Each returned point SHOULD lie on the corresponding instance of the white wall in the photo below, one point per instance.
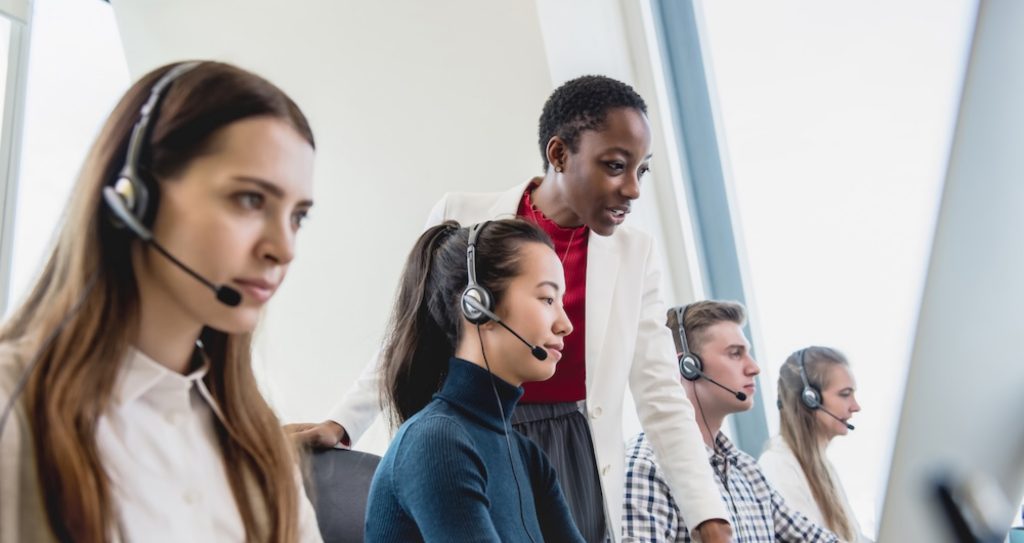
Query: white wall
(407, 102)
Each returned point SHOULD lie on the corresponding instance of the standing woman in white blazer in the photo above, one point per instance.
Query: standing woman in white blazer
(128, 406)
(816, 401)
(595, 143)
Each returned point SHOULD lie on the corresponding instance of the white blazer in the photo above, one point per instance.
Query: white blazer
(626, 342)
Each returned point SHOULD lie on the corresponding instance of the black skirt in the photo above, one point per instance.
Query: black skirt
(561, 430)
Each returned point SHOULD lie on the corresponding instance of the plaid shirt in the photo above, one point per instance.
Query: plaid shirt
(758, 514)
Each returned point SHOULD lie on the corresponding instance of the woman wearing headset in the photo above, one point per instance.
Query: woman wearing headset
(130, 410)
(455, 358)
(816, 401)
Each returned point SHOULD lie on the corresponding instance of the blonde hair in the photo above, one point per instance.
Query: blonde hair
(70, 385)
(800, 430)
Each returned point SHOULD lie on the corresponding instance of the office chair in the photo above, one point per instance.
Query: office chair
(340, 485)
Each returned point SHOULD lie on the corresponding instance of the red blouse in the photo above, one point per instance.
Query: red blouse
(569, 384)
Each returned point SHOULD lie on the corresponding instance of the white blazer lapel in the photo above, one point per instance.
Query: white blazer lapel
(507, 204)
(602, 273)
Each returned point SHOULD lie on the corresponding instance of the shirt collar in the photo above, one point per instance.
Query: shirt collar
(468, 387)
(140, 375)
(725, 447)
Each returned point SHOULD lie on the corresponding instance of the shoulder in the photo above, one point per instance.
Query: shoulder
(432, 428)
(634, 241)
(640, 454)
(12, 364)
(778, 460)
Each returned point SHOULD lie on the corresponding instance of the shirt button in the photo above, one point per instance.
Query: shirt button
(596, 412)
(192, 497)
(604, 470)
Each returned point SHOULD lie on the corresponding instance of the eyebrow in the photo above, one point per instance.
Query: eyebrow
(273, 189)
(628, 153)
(551, 284)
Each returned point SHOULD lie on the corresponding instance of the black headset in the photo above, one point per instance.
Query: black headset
(477, 302)
(810, 396)
(690, 365)
(478, 308)
(128, 195)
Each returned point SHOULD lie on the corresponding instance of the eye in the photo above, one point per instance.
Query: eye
(549, 301)
(250, 200)
(299, 217)
(644, 170)
(615, 166)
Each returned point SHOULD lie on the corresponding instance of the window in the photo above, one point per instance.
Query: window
(76, 72)
(836, 120)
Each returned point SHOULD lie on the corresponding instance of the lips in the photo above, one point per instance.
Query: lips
(555, 349)
(258, 289)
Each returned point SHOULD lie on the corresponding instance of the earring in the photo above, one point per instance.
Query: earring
(558, 169)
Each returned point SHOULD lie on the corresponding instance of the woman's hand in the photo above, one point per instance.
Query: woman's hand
(322, 435)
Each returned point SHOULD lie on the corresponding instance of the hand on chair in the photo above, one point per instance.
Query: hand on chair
(322, 435)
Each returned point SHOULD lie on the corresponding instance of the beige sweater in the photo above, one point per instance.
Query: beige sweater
(22, 510)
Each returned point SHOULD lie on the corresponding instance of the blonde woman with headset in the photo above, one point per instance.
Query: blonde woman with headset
(817, 398)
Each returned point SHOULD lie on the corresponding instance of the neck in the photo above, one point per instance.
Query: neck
(823, 442)
(550, 199)
(714, 419)
(469, 349)
(165, 334)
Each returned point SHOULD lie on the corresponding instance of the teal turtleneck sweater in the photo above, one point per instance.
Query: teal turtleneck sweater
(447, 476)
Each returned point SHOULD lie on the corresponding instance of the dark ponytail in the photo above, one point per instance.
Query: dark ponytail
(426, 322)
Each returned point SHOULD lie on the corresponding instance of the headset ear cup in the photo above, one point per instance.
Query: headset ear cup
(481, 296)
(690, 366)
(811, 398)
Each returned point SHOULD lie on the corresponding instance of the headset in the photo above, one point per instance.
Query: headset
(478, 302)
(690, 364)
(478, 308)
(128, 197)
(810, 396)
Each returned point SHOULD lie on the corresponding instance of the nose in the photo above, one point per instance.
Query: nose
(630, 188)
(562, 326)
(278, 242)
(752, 367)
(855, 407)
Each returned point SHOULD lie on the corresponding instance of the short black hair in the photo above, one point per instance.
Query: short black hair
(583, 104)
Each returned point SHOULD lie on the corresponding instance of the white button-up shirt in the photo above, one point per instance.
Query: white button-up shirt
(158, 445)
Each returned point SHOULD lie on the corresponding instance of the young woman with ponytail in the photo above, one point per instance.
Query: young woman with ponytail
(455, 471)
(129, 407)
(795, 462)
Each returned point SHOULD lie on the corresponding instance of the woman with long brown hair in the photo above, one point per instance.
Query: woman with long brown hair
(479, 312)
(816, 401)
(130, 409)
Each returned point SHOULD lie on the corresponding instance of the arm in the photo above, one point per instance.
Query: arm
(650, 515)
(556, 522)
(666, 415)
(443, 483)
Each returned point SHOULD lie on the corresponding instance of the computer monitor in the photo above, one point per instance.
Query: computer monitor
(963, 413)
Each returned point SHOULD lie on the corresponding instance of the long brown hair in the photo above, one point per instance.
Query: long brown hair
(800, 430)
(426, 322)
(71, 384)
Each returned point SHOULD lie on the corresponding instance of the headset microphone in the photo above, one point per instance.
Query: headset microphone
(847, 424)
(116, 204)
(741, 396)
(538, 352)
